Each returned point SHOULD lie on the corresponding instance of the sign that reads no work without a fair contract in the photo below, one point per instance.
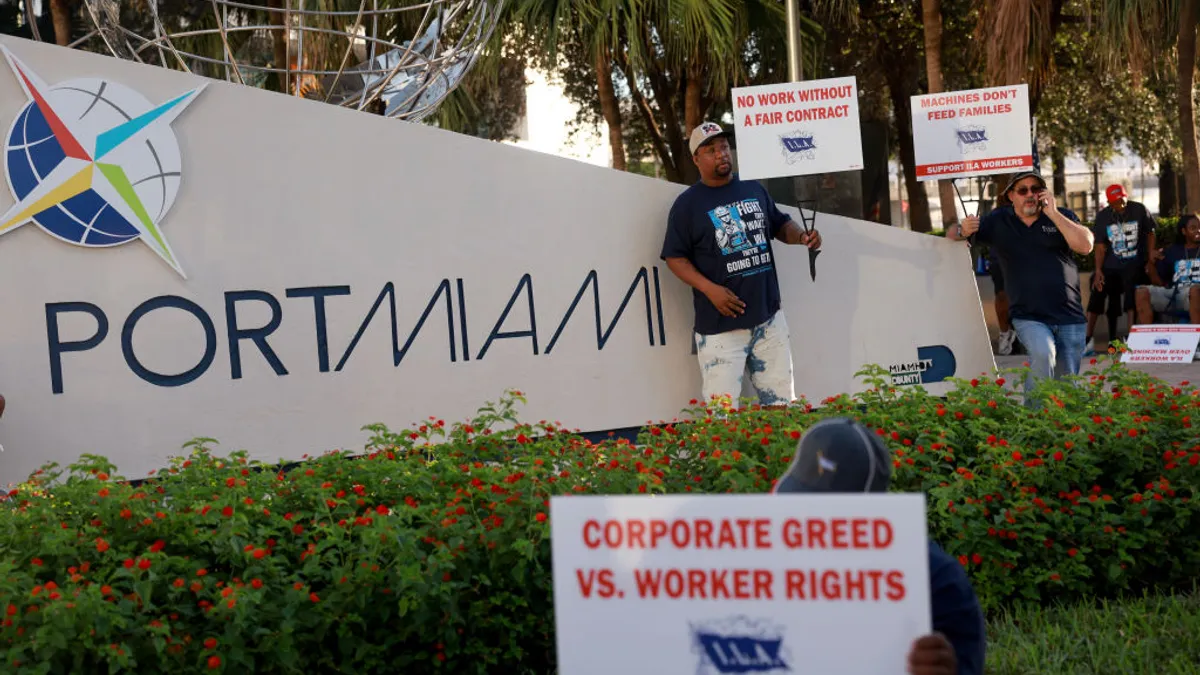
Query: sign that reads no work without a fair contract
(797, 128)
(972, 133)
(739, 583)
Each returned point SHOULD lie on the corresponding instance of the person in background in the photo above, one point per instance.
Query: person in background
(839, 455)
(718, 241)
(1008, 336)
(1124, 233)
(1035, 241)
(1175, 279)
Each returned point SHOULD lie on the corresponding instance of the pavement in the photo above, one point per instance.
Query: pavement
(1172, 373)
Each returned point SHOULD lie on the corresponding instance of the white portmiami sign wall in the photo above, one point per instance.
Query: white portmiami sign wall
(280, 282)
(975, 132)
(715, 584)
(797, 128)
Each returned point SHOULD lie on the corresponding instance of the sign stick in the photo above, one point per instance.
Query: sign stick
(810, 224)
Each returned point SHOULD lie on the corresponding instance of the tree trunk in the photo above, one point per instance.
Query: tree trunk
(608, 106)
(918, 202)
(1168, 191)
(931, 16)
(1059, 160)
(60, 14)
(279, 44)
(1187, 114)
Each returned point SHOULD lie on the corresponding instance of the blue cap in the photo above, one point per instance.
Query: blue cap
(838, 455)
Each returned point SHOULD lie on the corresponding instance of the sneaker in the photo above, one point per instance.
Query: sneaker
(1090, 348)
(1007, 338)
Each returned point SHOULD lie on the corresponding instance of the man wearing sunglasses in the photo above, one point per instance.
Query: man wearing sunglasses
(1034, 240)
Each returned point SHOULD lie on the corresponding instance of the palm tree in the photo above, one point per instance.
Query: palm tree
(931, 21)
(674, 60)
(1139, 29)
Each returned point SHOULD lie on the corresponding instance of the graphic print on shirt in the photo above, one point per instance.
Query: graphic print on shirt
(741, 230)
(1124, 239)
(1187, 272)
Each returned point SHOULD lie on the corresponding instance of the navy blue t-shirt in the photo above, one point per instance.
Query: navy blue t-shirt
(1180, 266)
(956, 611)
(1041, 277)
(1127, 236)
(726, 233)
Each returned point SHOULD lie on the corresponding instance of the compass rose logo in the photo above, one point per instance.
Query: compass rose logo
(92, 162)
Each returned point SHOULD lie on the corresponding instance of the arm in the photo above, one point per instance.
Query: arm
(1079, 238)
(1101, 252)
(792, 233)
(688, 274)
(726, 301)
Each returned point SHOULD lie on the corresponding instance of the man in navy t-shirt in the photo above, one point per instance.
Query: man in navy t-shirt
(1124, 234)
(1035, 240)
(718, 241)
(1176, 277)
(838, 455)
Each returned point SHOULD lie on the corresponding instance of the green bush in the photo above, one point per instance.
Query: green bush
(430, 552)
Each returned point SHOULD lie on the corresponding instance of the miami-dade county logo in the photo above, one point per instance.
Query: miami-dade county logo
(739, 645)
(934, 363)
(972, 139)
(798, 145)
(92, 162)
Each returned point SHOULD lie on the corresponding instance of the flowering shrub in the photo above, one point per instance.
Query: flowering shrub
(430, 552)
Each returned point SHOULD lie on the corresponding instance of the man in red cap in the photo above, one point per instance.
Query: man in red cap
(1124, 234)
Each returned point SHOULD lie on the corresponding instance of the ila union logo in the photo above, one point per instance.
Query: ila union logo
(92, 162)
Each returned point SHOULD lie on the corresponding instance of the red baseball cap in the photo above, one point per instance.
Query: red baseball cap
(1114, 192)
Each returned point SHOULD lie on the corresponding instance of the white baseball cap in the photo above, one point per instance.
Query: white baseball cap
(704, 132)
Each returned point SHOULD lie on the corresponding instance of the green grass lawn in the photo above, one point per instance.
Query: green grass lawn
(1156, 634)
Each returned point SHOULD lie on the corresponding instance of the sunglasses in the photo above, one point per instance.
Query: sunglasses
(1025, 189)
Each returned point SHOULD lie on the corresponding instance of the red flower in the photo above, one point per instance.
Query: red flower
(259, 553)
(314, 597)
(1058, 456)
(37, 562)
(214, 662)
(129, 563)
(230, 482)
(210, 643)
(157, 546)
(179, 583)
(976, 558)
(1072, 552)
(540, 517)
(227, 511)
(256, 584)
(143, 564)
(1016, 456)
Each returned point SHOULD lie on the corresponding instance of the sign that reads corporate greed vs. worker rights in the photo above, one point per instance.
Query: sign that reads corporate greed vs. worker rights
(797, 128)
(972, 133)
(739, 583)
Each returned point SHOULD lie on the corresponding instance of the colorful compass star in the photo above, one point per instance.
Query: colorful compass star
(82, 170)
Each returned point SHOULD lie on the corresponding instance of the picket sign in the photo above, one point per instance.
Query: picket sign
(687, 584)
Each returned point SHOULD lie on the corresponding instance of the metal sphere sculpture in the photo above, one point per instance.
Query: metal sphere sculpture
(398, 58)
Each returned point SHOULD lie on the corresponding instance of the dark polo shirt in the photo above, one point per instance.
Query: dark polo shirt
(1040, 274)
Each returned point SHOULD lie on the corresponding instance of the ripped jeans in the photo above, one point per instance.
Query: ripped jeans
(764, 350)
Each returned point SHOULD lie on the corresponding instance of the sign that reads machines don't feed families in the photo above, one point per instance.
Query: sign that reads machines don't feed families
(977, 132)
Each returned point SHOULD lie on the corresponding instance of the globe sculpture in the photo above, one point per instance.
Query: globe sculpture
(398, 58)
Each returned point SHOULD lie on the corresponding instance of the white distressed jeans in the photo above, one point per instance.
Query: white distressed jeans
(765, 350)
